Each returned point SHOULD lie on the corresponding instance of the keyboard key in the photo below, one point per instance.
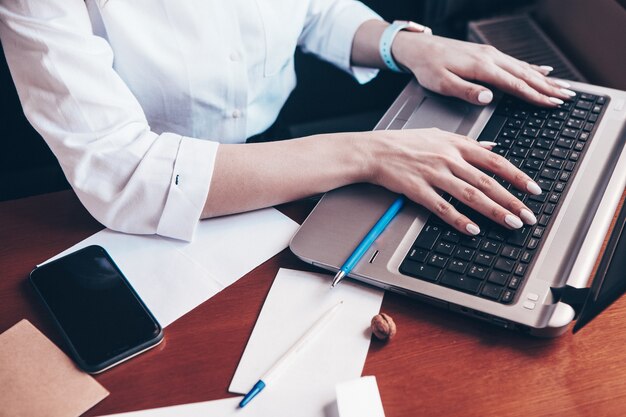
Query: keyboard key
(538, 232)
(569, 166)
(574, 156)
(549, 133)
(458, 266)
(530, 132)
(427, 237)
(570, 133)
(580, 114)
(498, 277)
(451, 236)
(587, 97)
(470, 241)
(565, 143)
(445, 248)
(560, 153)
(560, 115)
(510, 252)
(507, 296)
(550, 208)
(555, 163)
(564, 176)
(544, 144)
(575, 123)
(418, 270)
(535, 122)
(584, 105)
(460, 282)
(518, 237)
(584, 136)
(527, 257)
(478, 271)
(418, 255)
(579, 146)
(489, 246)
(519, 151)
(588, 127)
(596, 109)
(543, 220)
(534, 206)
(549, 173)
(554, 198)
(520, 269)
(533, 163)
(437, 261)
(492, 291)
(555, 124)
(485, 259)
(546, 185)
(533, 243)
(539, 153)
(497, 233)
(526, 142)
(515, 282)
(540, 198)
(503, 264)
(464, 253)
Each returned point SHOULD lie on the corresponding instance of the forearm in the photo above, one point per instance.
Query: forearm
(365, 52)
(252, 176)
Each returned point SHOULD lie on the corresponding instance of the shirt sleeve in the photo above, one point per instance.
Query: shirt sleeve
(129, 178)
(329, 31)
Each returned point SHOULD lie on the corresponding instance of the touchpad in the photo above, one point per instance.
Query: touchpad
(443, 113)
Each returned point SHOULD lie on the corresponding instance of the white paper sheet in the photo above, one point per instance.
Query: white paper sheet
(359, 398)
(217, 408)
(173, 277)
(307, 387)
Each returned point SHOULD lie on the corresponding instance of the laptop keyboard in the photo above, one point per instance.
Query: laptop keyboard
(547, 144)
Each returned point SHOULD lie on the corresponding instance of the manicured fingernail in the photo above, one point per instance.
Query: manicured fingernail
(568, 92)
(527, 216)
(486, 144)
(533, 188)
(472, 229)
(513, 221)
(555, 100)
(485, 97)
(547, 69)
(562, 83)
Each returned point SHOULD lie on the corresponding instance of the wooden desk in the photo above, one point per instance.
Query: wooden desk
(439, 364)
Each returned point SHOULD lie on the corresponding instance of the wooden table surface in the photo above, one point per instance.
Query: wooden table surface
(439, 363)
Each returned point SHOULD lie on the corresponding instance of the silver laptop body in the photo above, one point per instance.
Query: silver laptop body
(343, 216)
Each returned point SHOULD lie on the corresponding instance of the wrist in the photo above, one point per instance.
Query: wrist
(406, 48)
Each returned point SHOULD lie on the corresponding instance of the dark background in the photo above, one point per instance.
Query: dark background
(326, 99)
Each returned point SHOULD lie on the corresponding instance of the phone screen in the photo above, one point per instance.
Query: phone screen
(95, 306)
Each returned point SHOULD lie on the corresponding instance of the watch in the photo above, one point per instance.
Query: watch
(390, 34)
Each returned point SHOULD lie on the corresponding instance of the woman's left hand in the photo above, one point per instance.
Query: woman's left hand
(449, 66)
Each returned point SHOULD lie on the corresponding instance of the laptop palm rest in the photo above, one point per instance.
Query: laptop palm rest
(443, 113)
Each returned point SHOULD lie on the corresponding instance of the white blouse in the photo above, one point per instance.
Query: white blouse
(133, 96)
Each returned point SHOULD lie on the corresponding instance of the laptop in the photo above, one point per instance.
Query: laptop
(525, 279)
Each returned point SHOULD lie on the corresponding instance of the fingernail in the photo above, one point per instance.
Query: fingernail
(485, 97)
(527, 216)
(562, 83)
(555, 100)
(487, 144)
(546, 68)
(472, 229)
(533, 188)
(513, 221)
(568, 92)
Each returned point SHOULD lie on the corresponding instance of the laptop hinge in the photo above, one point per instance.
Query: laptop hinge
(572, 296)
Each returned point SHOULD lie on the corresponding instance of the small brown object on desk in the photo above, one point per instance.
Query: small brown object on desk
(383, 326)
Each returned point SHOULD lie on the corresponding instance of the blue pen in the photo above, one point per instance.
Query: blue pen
(291, 354)
(369, 238)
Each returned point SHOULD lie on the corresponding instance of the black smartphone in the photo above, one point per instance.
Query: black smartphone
(102, 319)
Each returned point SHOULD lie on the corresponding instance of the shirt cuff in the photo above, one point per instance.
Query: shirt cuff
(188, 189)
(341, 38)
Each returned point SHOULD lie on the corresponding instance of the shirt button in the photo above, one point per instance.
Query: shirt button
(236, 113)
(234, 56)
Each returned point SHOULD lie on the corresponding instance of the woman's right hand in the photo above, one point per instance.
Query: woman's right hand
(420, 163)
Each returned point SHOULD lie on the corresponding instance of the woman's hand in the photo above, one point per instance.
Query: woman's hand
(445, 66)
(421, 163)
